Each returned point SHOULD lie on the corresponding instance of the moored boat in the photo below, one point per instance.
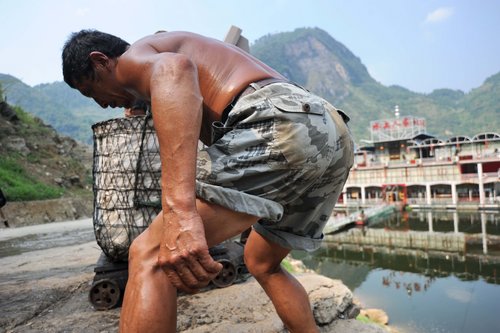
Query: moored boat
(403, 164)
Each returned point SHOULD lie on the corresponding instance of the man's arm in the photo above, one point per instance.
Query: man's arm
(177, 111)
(176, 103)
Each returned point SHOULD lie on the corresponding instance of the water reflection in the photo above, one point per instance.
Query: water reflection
(412, 259)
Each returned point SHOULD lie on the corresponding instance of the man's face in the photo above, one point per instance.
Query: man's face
(105, 91)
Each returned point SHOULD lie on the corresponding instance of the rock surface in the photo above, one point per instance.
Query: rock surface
(246, 308)
(376, 315)
(47, 291)
(25, 213)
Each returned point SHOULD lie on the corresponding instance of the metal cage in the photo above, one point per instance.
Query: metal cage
(126, 182)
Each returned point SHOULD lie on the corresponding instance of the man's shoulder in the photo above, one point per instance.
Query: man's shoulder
(171, 40)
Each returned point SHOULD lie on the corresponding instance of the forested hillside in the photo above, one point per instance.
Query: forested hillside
(38, 163)
(311, 57)
(58, 105)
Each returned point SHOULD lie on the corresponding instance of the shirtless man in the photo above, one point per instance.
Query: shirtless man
(277, 159)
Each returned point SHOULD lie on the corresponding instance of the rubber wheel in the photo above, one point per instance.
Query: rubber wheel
(227, 275)
(104, 294)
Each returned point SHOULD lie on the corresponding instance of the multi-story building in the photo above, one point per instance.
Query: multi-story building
(402, 163)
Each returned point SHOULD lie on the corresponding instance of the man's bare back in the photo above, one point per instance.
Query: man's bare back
(223, 69)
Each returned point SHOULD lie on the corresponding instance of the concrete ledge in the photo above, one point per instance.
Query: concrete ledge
(25, 213)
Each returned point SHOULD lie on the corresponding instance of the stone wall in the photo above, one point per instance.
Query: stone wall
(26, 213)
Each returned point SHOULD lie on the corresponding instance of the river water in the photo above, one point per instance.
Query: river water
(430, 271)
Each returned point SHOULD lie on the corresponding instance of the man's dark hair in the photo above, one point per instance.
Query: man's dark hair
(75, 56)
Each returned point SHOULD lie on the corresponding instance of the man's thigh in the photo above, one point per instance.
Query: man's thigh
(220, 224)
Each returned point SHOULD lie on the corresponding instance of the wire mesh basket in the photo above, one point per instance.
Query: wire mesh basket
(126, 182)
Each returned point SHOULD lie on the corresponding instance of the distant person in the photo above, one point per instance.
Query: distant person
(361, 218)
(3, 201)
(277, 160)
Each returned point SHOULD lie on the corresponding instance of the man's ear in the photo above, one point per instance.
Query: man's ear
(99, 59)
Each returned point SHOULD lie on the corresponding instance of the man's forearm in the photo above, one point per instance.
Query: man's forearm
(177, 118)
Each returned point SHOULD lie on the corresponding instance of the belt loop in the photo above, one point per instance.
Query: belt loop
(255, 85)
(218, 131)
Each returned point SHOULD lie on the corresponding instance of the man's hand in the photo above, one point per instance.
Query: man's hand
(184, 255)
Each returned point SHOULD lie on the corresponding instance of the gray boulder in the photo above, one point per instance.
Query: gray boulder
(245, 308)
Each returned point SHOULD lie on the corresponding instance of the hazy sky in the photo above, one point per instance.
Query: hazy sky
(419, 44)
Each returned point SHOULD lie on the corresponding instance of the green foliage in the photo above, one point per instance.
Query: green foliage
(30, 121)
(282, 51)
(36, 163)
(18, 185)
(366, 320)
(287, 266)
(65, 109)
(447, 97)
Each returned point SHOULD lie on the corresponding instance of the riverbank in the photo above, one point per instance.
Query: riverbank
(47, 291)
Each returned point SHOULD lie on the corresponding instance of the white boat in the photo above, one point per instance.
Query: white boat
(365, 216)
(402, 163)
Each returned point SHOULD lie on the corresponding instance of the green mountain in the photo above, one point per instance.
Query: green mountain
(38, 163)
(314, 59)
(311, 57)
(58, 105)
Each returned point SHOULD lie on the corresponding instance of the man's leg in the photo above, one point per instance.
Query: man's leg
(150, 302)
(263, 258)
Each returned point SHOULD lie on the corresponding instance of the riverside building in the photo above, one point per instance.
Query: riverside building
(405, 165)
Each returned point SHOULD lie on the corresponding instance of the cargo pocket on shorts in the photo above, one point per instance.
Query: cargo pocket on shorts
(301, 129)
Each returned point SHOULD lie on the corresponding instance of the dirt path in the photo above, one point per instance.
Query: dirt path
(46, 290)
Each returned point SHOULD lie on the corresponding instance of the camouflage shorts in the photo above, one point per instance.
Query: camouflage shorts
(283, 155)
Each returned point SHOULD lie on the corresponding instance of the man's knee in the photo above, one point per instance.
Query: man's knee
(261, 266)
(138, 250)
(263, 257)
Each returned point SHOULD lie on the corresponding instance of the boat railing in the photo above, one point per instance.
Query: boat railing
(429, 160)
(402, 163)
(470, 176)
